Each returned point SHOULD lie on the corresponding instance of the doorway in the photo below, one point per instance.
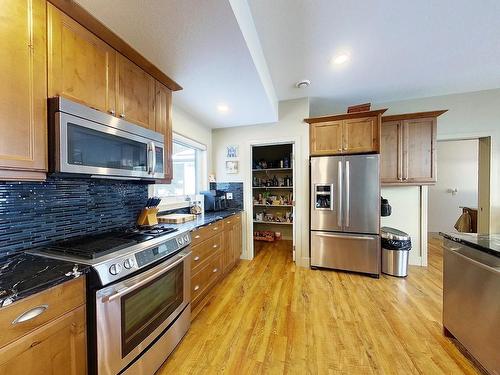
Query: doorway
(460, 200)
(273, 194)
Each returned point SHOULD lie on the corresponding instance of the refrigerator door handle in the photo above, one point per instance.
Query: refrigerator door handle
(347, 193)
(339, 194)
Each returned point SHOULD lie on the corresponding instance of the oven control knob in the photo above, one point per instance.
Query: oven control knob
(115, 269)
(180, 241)
(186, 238)
(129, 263)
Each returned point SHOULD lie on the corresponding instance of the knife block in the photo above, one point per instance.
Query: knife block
(148, 217)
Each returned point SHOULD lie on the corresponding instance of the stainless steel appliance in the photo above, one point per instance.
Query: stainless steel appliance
(471, 301)
(215, 200)
(85, 141)
(138, 295)
(345, 213)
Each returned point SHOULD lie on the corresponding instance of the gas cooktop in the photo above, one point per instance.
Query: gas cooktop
(97, 245)
(119, 253)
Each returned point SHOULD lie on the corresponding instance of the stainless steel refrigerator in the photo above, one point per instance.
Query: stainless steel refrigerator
(345, 213)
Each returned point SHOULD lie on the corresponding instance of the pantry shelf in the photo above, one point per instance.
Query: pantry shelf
(272, 222)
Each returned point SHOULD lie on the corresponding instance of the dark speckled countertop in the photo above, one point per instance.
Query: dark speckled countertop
(22, 275)
(488, 243)
(205, 219)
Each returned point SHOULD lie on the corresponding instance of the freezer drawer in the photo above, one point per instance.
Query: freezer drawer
(348, 252)
(471, 301)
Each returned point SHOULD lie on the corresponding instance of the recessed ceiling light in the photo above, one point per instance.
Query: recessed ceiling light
(303, 84)
(223, 108)
(341, 58)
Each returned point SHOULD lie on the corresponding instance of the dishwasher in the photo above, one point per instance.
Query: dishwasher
(471, 301)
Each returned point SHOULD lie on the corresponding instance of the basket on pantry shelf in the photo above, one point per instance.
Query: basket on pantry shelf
(264, 235)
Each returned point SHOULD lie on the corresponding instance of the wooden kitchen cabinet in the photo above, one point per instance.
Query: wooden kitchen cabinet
(23, 102)
(353, 133)
(232, 242)
(326, 138)
(58, 347)
(81, 66)
(163, 124)
(136, 94)
(216, 249)
(53, 342)
(408, 149)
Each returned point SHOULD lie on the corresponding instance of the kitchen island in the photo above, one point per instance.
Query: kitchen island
(471, 294)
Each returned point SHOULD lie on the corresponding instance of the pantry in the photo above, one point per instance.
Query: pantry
(273, 196)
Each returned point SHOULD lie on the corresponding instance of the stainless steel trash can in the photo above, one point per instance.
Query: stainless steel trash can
(396, 246)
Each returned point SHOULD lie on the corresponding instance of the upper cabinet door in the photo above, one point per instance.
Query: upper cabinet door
(23, 98)
(361, 135)
(163, 124)
(80, 65)
(325, 138)
(391, 152)
(136, 94)
(419, 150)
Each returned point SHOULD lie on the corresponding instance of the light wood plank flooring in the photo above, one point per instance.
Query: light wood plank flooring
(270, 317)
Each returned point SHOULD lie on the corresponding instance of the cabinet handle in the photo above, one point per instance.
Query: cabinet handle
(196, 288)
(216, 228)
(215, 270)
(122, 115)
(197, 236)
(30, 314)
(228, 222)
(345, 148)
(112, 111)
(196, 258)
(215, 246)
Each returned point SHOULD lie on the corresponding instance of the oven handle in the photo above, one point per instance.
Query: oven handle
(124, 291)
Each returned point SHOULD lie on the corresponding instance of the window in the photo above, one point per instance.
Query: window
(189, 168)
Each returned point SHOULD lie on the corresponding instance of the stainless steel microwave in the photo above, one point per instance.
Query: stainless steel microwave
(85, 141)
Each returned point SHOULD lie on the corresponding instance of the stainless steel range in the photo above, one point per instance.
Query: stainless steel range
(138, 295)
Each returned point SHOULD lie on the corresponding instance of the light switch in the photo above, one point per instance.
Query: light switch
(229, 195)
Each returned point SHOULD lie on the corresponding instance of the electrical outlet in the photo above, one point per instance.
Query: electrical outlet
(229, 195)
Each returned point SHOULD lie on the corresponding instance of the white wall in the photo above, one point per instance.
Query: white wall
(457, 162)
(406, 214)
(289, 128)
(188, 126)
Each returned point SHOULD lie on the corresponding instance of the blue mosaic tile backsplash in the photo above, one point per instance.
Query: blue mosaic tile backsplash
(36, 213)
(231, 187)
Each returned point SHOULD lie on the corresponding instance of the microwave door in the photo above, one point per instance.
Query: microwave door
(326, 193)
(87, 147)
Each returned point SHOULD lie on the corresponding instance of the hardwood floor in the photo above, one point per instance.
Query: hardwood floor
(270, 317)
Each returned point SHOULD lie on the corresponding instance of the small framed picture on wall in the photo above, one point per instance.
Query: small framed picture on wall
(231, 167)
(232, 152)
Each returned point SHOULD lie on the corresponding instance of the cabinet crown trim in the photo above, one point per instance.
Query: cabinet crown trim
(410, 116)
(345, 116)
(87, 20)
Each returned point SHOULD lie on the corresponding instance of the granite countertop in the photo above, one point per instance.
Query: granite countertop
(205, 219)
(489, 243)
(22, 275)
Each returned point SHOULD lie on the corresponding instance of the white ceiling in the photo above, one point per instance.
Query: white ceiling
(399, 50)
(198, 44)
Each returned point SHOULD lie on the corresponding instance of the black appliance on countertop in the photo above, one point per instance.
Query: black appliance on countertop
(215, 200)
(128, 267)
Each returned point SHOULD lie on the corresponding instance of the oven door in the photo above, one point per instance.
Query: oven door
(87, 147)
(131, 314)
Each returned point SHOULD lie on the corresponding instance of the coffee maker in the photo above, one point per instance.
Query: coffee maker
(215, 200)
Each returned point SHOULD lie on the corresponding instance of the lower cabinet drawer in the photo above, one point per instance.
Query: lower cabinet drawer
(202, 252)
(204, 233)
(32, 312)
(203, 280)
